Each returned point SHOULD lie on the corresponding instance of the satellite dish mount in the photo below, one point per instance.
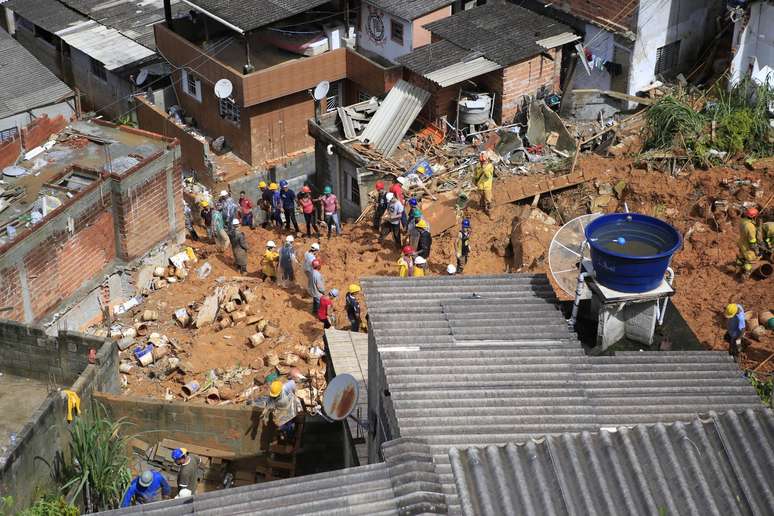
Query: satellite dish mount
(319, 94)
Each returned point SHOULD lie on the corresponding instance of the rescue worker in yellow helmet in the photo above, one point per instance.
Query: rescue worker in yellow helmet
(353, 307)
(264, 201)
(283, 407)
(735, 325)
(748, 242)
(483, 178)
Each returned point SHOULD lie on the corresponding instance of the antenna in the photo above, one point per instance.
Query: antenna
(223, 89)
(321, 90)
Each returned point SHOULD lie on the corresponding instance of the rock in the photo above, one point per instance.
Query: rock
(230, 306)
(541, 216)
(247, 295)
(160, 272)
(150, 315)
(224, 322)
(238, 315)
(271, 359)
(252, 320)
(271, 331)
(207, 312)
(262, 324)
(290, 359)
(186, 367)
(256, 339)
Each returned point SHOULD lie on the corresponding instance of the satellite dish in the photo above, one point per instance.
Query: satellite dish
(223, 89)
(341, 396)
(15, 171)
(141, 77)
(321, 90)
(564, 253)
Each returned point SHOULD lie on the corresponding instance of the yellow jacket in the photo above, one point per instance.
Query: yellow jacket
(767, 233)
(269, 262)
(403, 268)
(748, 236)
(419, 272)
(484, 175)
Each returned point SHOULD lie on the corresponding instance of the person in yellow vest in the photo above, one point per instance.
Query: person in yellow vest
(483, 177)
(767, 236)
(269, 261)
(420, 267)
(748, 241)
(406, 262)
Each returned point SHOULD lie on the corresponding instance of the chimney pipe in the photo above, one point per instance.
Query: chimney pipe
(168, 13)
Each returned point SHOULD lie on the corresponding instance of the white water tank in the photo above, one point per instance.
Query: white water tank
(334, 32)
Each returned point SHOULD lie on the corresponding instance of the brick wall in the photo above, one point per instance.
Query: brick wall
(602, 11)
(526, 78)
(36, 133)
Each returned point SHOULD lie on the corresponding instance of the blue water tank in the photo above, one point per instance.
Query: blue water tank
(630, 252)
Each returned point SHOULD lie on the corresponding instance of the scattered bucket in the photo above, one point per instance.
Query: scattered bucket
(766, 318)
(125, 343)
(141, 329)
(191, 388)
(160, 352)
(765, 270)
(150, 315)
(213, 396)
(146, 359)
(129, 333)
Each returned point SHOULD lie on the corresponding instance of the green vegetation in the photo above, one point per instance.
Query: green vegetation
(44, 506)
(670, 118)
(764, 388)
(98, 465)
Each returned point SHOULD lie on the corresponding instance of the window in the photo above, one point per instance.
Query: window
(191, 85)
(8, 134)
(354, 190)
(332, 102)
(98, 70)
(396, 31)
(228, 110)
(667, 58)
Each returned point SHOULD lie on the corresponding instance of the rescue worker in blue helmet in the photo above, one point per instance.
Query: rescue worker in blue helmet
(150, 486)
(462, 246)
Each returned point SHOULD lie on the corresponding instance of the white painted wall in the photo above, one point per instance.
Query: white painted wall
(385, 46)
(600, 42)
(752, 40)
(660, 22)
(24, 119)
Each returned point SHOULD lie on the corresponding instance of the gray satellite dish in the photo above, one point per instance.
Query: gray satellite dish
(15, 171)
(141, 77)
(223, 89)
(340, 397)
(321, 90)
(564, 253)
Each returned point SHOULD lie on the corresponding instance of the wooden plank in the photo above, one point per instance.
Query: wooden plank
(629, 98)
(199, 450)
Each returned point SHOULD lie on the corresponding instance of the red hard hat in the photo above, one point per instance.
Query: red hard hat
(751, 213)
(306, 189)
(407, 249)
(380, 185)
(316, 264)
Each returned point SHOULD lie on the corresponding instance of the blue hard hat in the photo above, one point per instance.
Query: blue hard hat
(178, 453)
(413, 201)
(283, 183)
(465, 223)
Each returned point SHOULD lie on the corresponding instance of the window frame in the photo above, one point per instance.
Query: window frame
(98, 69)
(667, 58)
(10, 134)
(333, 99)
(399, 35)
(188, 79)
(230, 111)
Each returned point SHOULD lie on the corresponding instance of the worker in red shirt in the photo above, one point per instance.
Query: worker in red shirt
(326, 306)
(397, 190)
(245, 210)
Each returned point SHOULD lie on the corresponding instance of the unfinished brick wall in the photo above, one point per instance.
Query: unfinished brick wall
(36, 133)
(527, 78)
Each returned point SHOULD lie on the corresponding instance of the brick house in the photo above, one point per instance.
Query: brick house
(499, 48)
(102, 197)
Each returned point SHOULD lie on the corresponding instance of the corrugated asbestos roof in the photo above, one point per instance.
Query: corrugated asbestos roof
(558, 41)
(502, 32)
(104, 44)
(489, 360)
(459, 72)
(394, 117)
(253, 14)
(410, 9)
(405, 483)
(25, 83)
(429, 58)
(721, 464)
(51, 15)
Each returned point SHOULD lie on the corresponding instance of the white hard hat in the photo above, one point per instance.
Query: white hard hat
(389, 196)
(289, 239)
(451, 269)
(271, 243)
(223, 193)
(316, 246)
(235, 222)
(419, 260)
(184, 493)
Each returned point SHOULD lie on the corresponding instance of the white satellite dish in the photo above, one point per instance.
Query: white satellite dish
(340, 397)
(564, 253)
(141, 77)
(223, 89)
(321, 90)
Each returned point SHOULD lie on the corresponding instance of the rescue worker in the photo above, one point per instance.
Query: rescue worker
(331, 207)
(269, 261)
(748, 242)
(397, 189)
(411, 229)
(483, 177)
(306, 203)
(219, 229)
(206, 215)
(287, 258)
(767, 237)
(451, 270)
(735, 325)
(283, 408)
(229, 209)
(316, 285)
(425, 240)
(380, 206)
(420, 267)
(245, 210)
(392, 224)
(188, 219)
(188, 474)
(462, 246)
(325, 311)
(239, 248)
(276, 205)
(265, 203)
(309, 257)
(406, 262)
(353, 307)
(288, 197)
(150, 486)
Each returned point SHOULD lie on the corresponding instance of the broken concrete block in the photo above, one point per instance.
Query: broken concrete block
(248, 295)
(207, 312)
(271, 331)
(271, 359)
(238, 315)
(256, 339)
(182, 317)
(252, 320)
(230, 306)
(160, 272)
(150, 315)
(224, 322)
(262, 324)
(290, 359)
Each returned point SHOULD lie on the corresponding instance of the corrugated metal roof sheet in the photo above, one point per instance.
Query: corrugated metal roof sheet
(253, 14)
(410, 9)
(459, 72)
(394, 117)
(51, 15)
(25, 83)
(720, 465)
(558, 41)
(104, 44)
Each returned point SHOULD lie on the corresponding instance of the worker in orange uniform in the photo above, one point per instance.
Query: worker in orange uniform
(406, 262)
(270, 261)
(748, 242)
(483, 177)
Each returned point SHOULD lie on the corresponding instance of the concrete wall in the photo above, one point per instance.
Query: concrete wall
(109, 97)
(753, 40)
(382, 43)
(44, 51)
(34, 134)
(27, 468)
(421, 36)
(63, 109)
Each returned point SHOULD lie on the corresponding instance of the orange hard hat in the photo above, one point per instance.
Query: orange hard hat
(306, 189)
(380, 185)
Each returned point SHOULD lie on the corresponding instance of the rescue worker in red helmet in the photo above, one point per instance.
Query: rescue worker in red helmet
(406, 262)
(316, 285)
(380, 204)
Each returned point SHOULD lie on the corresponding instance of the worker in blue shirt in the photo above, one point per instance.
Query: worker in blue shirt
(735, 325)
(288, 197)
(145, 489)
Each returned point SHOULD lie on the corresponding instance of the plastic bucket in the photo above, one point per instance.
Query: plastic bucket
(190, 388)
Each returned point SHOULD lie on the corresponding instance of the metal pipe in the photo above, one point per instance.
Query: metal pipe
(670, 278)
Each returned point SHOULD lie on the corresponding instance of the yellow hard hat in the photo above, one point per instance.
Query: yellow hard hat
(273, 186)
(275, 389)
(422, 224)
(354, 288)
(731, 310)
(204, 204)
(262, 184)
(421, 169)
